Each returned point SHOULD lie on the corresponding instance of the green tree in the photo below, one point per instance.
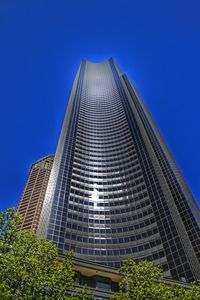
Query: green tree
(29, 267)
(83, 294)
(9, 222)
(143, 281)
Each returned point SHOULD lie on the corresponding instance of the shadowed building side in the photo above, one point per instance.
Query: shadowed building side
(31, 202)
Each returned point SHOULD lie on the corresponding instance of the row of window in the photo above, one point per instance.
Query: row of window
(101, 160)
(116, 252)
(103, 96)
(100, 100)
(99, 105)
(108, 137)
(107, 154)
(102, 125)
(112, 203)
(109, 196)
(100, 131)
(101, 122)
(135, 198)
(111, 241)
(113, 150)
(101, 116)
(101, 165)
(111, 212)
(87, 106)
(92, 145)
(103, 140)
(120, 181)
(108, 111)
(107, 230)
(117, 170)
(113, 188)
(105, 176)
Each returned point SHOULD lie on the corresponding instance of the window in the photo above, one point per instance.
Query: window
(103, 285)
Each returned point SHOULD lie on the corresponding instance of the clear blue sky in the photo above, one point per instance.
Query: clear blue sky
(157, 43)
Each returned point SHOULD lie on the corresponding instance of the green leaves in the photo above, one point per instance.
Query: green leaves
(140, 282)
(143, 272)
(9, 223)
(83, 294)
(29, 267)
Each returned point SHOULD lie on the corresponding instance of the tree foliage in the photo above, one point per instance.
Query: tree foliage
(9, 222)
(143, 281)
(84, 294)
(29, 267)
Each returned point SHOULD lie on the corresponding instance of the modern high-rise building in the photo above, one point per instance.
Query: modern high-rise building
(32, 199)
(115, 191)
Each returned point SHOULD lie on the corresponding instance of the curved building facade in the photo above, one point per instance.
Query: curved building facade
(114, 190)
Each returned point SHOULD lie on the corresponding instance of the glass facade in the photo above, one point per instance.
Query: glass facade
(114, 190)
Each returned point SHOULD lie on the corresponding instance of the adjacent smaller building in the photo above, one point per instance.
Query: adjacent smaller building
(32, 199)
(104, 281)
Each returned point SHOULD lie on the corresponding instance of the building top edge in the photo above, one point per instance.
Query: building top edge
(43, 158)
(98, 63)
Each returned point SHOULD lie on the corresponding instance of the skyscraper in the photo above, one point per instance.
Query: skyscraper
(115, 191)
(31, 202)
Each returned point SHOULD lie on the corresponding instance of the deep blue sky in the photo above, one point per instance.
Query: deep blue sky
(157, 43)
